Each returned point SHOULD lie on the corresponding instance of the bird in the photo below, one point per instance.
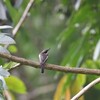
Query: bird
(43, 57)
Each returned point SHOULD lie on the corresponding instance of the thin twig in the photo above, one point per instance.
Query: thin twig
(77, 96)
(23, 17)
(24, 61)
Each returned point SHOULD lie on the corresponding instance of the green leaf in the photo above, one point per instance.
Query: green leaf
(15, 84)
(64, 2)
(10, 65)
(12, 48)
(81, 79)
(13, 12)
(67, 83)
(92, 64)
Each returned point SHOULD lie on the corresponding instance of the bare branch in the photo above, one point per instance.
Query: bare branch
(77, 96)
(24, 61)
(23, 17)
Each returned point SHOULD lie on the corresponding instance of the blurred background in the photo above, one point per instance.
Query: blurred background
(71, 29)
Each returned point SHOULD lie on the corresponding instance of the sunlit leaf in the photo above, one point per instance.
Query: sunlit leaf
(12, 48)
(91, 64)
(10, 65)
(58, 94)
(15, 84)
(78, 84)
(67, 94)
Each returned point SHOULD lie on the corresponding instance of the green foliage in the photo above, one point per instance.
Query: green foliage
(12, 48)
(81, 80)
(15, 84)
(5, 40)
(12, 11)
(78, 41)
(10, 65)
(93, 64)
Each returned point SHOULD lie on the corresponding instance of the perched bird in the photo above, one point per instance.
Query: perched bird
(43, 56)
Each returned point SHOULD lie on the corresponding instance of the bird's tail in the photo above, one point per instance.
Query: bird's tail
(42, 68)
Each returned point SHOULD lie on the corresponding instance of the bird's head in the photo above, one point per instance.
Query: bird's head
(45, 51)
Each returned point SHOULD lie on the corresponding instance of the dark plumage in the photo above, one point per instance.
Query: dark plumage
(43, 56)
